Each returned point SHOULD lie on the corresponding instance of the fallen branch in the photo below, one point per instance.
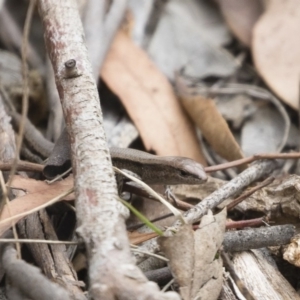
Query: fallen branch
(100, 215)
(36, 286)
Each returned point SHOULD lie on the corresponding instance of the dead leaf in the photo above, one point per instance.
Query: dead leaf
(179, 249)
(236, 109)
(195, 43)
(193, 194)
(292, 251)
(266, 124)
(39, 192)
(193, 259)
(276, 49)
(137, 238)
(214, 128)
(207, 281)
(279, 201)
(150, 101)
(241, 16)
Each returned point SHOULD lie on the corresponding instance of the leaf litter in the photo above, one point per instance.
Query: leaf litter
(210, 49)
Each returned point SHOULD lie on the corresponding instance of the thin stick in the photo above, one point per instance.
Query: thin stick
(248, 176)
(149, 190)
(245, 223)
(137, 226)
(241, 198)
(22, 165)
(58, 177)
(31, 241)
(25, 86)
(150, 254)
(250, 159)
(5, 196)
(165, 288)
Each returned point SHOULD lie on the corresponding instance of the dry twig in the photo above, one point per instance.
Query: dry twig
(100, 215)
(35, 286)
(248, 176)
(258, 238)
(25, 85)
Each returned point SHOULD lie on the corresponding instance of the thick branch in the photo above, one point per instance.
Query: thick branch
(35, 285)
(100, 215)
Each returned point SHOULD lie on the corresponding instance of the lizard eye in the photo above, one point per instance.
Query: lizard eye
(183, 173)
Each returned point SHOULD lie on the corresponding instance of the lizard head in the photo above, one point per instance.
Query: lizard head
(184, 171)
(190, 171)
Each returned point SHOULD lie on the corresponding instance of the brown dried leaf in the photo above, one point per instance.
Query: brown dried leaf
(241, 16)
(193, 259)
(195, 193)
(39, 193)
(150, 101)
(214, 128)
(207, 279)
(276, 48)
(137, 238)
(179, 249)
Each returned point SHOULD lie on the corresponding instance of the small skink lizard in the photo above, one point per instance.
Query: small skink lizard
(153, 169)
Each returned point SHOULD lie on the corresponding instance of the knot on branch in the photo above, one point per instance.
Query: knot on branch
(71, 70)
